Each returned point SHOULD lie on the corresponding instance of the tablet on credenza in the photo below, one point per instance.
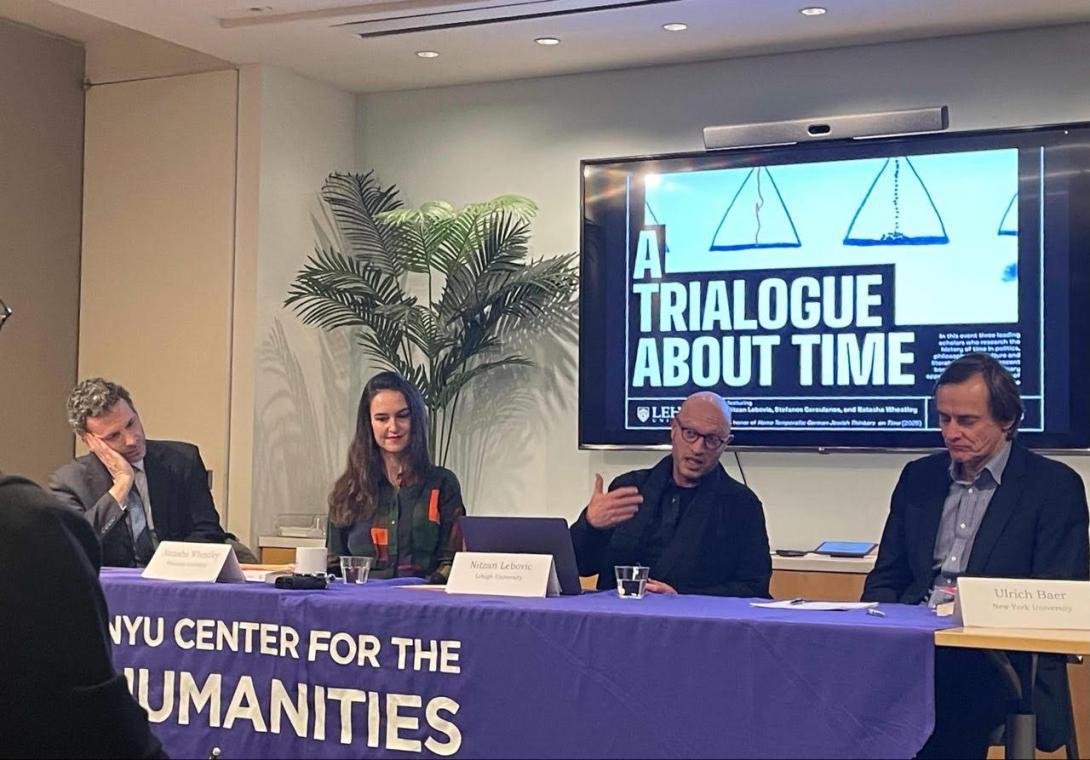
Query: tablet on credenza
(845, 548)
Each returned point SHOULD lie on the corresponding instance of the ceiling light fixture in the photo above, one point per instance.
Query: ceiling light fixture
(426, 54)
(675, 27)
(813, 10)
(547, 41)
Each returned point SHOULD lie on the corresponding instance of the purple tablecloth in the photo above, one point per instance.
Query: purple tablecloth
(589, 676)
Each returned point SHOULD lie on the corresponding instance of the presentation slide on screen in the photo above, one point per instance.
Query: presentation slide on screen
(829, 295)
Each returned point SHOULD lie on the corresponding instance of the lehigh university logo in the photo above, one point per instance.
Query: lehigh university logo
(643, 413)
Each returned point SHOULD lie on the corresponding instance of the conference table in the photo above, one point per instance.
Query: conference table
(395, 669)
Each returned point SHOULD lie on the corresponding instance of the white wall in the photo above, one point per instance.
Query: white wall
(306, 383)
(468, 143)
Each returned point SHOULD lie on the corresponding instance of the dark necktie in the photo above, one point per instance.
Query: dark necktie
(142, 540)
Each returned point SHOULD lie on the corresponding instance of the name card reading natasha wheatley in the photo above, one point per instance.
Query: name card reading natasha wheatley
(192, 561)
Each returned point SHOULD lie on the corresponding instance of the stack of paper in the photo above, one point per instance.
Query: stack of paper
(266, 573)
(802, 604)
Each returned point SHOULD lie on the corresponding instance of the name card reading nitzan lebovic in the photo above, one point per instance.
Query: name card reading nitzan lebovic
(191, 561)
(503, 574)
(1024, 603)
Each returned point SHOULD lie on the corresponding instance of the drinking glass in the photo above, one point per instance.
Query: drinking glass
(631, 580)
(355, 569)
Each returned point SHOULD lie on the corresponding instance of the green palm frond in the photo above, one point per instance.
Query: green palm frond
(457, 381)
(357, 202)
(483, 292)
(334, 291)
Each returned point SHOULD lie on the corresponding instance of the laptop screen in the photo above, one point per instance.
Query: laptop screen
(526, 535)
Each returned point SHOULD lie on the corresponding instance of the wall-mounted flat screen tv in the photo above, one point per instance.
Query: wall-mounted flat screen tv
(821, 288)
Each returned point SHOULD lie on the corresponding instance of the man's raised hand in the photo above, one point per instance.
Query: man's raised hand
(608, 509)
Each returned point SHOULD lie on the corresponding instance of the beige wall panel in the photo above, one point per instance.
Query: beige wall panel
(158, 253)
(247, 212)
(125, 54)
(41, 147)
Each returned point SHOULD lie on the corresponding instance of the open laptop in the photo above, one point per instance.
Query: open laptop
(526, 535)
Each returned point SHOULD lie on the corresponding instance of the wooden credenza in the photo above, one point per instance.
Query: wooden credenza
(819, 578)
(280, 550)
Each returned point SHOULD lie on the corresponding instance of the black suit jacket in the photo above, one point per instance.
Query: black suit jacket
(181, 504)
(720, 546)
(1035, 527)
(59, 693)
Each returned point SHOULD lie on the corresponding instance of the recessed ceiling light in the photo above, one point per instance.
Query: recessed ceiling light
(426, 54)
(813, 10)
(547, 41)
(675, 27)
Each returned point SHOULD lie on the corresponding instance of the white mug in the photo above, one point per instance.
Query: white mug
(310, 560)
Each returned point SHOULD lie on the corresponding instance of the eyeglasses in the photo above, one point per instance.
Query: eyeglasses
(5, 313)
(711, 440)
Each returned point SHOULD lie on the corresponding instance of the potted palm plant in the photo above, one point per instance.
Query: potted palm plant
(442, 295)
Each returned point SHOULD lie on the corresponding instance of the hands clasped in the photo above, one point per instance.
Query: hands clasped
(608, 509)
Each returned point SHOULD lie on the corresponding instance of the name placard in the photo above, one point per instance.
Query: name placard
(1023, 603)
(186, 561)
(503, 574)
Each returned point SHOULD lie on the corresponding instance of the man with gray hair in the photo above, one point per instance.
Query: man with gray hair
(133, 491)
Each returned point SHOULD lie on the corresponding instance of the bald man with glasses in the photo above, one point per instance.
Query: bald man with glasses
(696, 528)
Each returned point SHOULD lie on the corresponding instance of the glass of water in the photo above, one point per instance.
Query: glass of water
(631, 580)
(355, 569)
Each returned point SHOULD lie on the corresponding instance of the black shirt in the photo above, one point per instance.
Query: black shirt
(675, 500)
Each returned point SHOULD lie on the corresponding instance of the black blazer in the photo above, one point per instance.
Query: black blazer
(1036, 526)
(181, 504)
(720, 547)
(60, 695)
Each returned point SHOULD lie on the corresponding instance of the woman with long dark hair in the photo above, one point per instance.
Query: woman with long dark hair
(392, 503)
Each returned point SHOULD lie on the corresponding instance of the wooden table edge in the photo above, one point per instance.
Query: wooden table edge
(1075, 642)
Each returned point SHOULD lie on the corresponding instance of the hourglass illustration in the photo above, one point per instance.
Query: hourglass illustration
(897, 210)
(649, 218)
(1008, 225)
(757, 217)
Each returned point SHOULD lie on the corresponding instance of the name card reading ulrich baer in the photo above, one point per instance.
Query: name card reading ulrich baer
(503, 574)
(1024, 603)
(192, 561)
